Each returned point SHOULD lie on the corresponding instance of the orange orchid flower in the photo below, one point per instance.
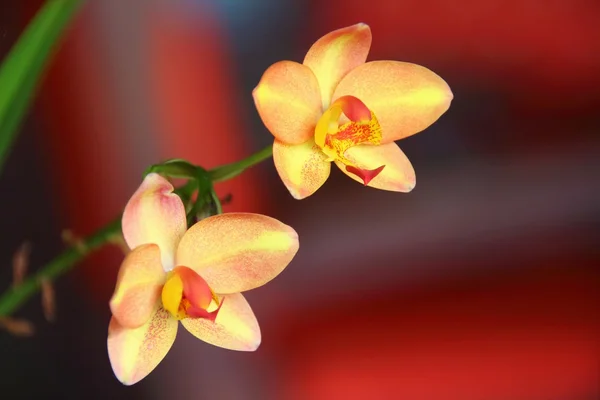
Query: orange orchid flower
(193, 276)
(335, 107)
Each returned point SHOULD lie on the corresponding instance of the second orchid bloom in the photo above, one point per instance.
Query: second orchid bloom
(194, 276)
(336, 108)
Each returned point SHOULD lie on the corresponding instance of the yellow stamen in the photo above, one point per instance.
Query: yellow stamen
(334, 139)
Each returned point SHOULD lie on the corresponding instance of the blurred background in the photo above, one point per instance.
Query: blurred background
(481, 284)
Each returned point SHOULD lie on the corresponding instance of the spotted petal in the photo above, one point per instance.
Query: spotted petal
(236, 252)
(406, 98)
(302, 168)
(337, 53)
(288, 101)
(154, 214)
(134, 353)
(397, 175)
(138, 286)
(235, 327)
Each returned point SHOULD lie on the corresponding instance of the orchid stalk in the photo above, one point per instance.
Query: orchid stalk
(13, 298)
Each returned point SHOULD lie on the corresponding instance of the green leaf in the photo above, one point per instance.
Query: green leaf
(176, 168)
(21, 70)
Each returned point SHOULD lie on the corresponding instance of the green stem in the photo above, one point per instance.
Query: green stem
(232, 170)
(14, 297)
(17, 295)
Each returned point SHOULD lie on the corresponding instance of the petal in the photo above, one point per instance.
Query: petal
(134, 353)
(336, 54)
(235, 327)
(237, 251)
(288, 101)
(155, 214)
(138, 286)
(398, 174)
(405, 98)
(302, 168)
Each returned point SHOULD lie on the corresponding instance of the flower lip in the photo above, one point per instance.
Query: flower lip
(335, 140)
(367, 175)
(187, 295)
(354, 108)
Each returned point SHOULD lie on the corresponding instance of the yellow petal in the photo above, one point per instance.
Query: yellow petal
(237, 251)
(398, 174)
(154, 214)
(134, 353)
(336, 54)
(138, 286)
(303, 168)
(288, 101)
(406, 98)
(235, 327)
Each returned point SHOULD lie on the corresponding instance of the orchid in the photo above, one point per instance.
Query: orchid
(335, 107)
(194, 276)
